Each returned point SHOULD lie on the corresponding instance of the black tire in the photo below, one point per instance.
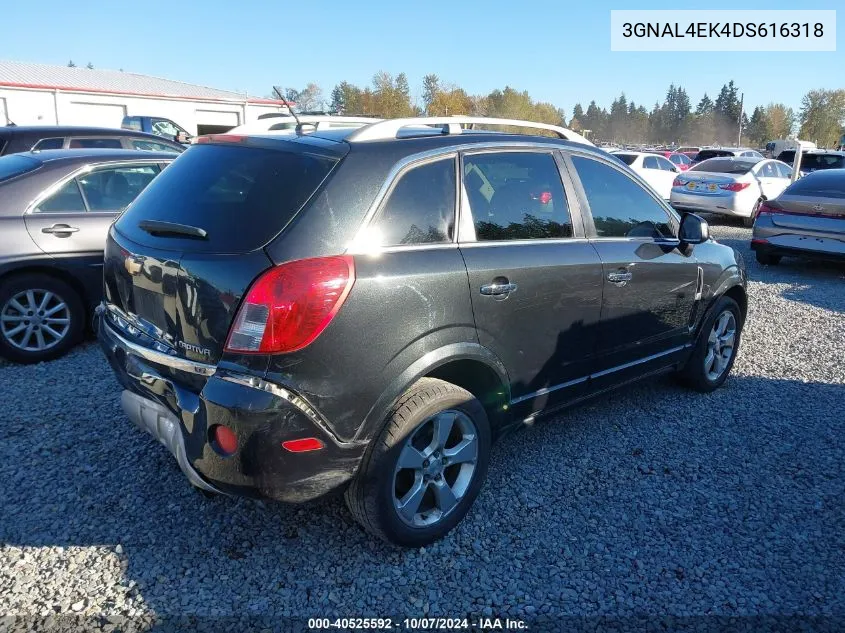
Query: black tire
(370, 496)
(694, 374)
(767, 259)
(12, 286)
(749, 221)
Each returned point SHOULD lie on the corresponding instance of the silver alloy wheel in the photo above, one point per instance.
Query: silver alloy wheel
(720, 345)
(35, 320)
(435, 468)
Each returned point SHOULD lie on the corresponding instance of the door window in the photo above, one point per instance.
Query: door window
(784, 171)
(113, 188)
(664, 164)
(620, 207)
(767, 170)
(420, 209)
(516, 196)
(163, 127)
(65, 200)
(650, 162)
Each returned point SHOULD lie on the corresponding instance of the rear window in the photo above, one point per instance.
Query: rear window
(825, 185)
(712, 153)
(722, 166)
(812, 162)
(787, 156)
(14, 165)
(628, 159)
(242, 196)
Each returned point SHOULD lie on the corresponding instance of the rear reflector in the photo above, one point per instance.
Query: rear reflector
(225, 438)
(303, 446)
(290, 305)
(734, 186)
(759, 241)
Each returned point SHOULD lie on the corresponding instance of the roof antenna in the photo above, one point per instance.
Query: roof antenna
(278, 92)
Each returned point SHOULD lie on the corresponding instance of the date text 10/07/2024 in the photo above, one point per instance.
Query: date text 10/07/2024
(706, 30)
(418, 624)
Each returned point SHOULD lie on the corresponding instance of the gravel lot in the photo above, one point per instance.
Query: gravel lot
(654, 500)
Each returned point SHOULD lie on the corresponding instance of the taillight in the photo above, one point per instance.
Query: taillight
(764, 208)
(290, 305)
(734, 186)
(219, 138)
(678, 182)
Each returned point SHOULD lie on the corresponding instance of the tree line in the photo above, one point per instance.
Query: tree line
(674, 120)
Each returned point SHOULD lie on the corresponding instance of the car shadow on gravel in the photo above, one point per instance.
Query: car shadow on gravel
(651, 489)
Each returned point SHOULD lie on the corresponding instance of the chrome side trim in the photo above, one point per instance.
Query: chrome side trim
(545, 390)
(640, 361)
(571, 383)
(253, 382)
(160, 358)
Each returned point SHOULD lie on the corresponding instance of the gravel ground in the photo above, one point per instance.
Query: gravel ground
(653, 500)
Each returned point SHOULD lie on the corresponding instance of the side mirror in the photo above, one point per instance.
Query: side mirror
(694, 229)
(182, 137)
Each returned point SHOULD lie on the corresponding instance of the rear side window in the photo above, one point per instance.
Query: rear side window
(49, 143)
(768, 170)
(96, 143)
(68, 199)
(784, 171)
(650, 162)
(113, 188)
(620, 207)
(516, 196)
(152, 146)
(421, 207)
(628, 159)
(13, 165)
(132, 123)
(242, 196)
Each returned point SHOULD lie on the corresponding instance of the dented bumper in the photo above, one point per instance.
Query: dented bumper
(181, 411)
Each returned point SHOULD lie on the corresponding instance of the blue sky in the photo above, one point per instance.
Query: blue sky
(558, 51)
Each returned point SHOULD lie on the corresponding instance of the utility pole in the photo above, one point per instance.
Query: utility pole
(739, 123)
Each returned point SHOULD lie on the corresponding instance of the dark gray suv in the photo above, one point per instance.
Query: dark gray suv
(367, 310)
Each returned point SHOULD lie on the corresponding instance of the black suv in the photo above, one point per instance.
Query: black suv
(367, 310)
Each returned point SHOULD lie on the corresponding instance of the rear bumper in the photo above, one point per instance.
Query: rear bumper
(814, 249)
(181, 409)
(724, 203)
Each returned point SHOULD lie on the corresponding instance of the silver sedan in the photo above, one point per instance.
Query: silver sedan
(807, 219)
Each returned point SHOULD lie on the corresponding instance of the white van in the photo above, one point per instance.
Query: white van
(774, 148)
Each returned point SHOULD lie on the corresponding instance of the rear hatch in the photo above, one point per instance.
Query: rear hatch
(182, 256)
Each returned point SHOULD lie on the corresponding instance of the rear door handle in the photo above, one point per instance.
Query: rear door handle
(619, 277)
(498, 289)
(60, 230)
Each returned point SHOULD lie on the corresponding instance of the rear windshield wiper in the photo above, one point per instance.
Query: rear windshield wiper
(163, 229)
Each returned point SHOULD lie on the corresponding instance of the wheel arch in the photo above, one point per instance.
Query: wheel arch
(470, 366)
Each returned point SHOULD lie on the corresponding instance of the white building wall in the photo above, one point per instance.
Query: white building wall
(26, 106)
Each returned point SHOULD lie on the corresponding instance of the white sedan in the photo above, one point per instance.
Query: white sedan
(657, 171)
(730, 186)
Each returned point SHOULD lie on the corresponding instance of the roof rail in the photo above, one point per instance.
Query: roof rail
(390, 128)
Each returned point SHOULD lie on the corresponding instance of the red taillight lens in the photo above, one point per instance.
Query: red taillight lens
(290, 305)
(678, 182)
(734, 186)
(303, 446)
(225, 439)
(764, 208)
(219, 138)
